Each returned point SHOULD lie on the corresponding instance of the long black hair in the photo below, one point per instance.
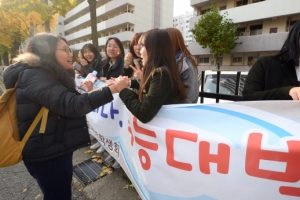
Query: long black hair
(119, 43)
(160, 54)
(290, 49)
(44, 46)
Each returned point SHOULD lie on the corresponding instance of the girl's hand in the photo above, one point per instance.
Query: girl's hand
(295, 93)
(83, 62)
(103, 79)
(128, 59)
(138, 73)
(77, 74)
(87, 85)
(111, 81)
(122, 82)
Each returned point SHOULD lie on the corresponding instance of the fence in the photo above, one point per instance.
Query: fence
(234, 95)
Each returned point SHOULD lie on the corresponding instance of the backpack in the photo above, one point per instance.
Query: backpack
(10, 145)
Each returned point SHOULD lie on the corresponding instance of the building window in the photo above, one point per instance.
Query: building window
(203, 60)
(273, 30)
(256, 30)
(204, 11)
(240, 31)
(292, 24)
(237, 59)
(255, 1)
(59, 23)
(187, 21)
(251, 60)
(222, 8)
(241, 3)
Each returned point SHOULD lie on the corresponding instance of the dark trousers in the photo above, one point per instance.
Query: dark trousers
(54, 177)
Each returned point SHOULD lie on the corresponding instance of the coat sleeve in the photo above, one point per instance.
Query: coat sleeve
(159, 90)
(47, 91)
(127, 72)
(257, 85)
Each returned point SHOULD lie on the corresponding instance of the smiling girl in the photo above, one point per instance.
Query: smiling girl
(91, 58)
(114, 62)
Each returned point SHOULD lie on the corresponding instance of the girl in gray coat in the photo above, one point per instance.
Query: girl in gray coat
(186, 65)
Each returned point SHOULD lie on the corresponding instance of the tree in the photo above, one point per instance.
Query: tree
(216, 32)
(21, 19)
(16, 26)
(46, 9)
(92, 5)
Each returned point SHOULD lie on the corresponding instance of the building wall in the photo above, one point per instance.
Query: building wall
(270, 14)
(116, 18)
(182, 23)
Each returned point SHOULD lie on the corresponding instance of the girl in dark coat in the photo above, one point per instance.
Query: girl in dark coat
(113, 63)
(161, 83)
(276, 77)
(45, 77)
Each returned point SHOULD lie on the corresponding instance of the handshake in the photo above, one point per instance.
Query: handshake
(120, 83)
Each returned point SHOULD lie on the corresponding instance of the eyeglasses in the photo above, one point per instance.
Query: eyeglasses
(67, 50)
(113, 47)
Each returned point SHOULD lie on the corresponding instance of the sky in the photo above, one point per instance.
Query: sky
(180, 6)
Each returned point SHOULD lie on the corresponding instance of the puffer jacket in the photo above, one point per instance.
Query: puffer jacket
(66, 128)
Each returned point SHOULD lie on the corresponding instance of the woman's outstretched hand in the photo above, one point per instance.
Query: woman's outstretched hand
(295, 93)
(121, 82)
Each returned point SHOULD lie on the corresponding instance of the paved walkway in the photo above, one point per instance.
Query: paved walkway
(16, 183)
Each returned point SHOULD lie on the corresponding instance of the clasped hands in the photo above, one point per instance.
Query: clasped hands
(120, 83)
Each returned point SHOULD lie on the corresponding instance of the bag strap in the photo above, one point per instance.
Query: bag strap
(43, 114)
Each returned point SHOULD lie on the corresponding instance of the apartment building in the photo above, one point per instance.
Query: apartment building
(116, 18)
(263, 28)
(182, 23)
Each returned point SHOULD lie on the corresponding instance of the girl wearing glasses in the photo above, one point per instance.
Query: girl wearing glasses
(45, 77)
(114, 61)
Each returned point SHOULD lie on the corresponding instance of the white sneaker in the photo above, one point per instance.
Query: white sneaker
(109, 158)
(100, 150)
(96, 145)
(116, 165)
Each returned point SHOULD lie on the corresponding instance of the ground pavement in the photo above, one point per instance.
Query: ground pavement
(17, 184)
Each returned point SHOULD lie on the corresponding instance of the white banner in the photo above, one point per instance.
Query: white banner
(248, 150)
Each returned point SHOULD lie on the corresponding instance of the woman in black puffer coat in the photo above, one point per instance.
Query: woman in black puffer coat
(45, 77)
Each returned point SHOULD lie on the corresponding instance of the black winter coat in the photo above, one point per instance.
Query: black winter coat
(109, 71)
(66, 128)
(158, 91)
(270, 78)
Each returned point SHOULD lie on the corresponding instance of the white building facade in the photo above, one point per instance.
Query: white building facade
(182, 23)
(263, 28)
(116, 18)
